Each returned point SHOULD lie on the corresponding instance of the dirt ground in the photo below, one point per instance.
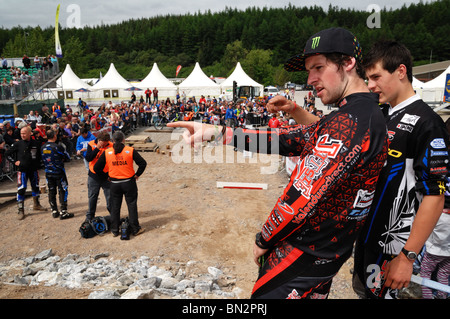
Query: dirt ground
(185, 216)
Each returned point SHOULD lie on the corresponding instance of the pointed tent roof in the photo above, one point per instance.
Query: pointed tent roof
(112, 80)
(417, 83)
(198, 79)
(437, 82)
(241, 78)
(156, 79)
(70, 81)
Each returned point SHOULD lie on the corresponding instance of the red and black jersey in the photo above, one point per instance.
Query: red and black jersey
(332, 186)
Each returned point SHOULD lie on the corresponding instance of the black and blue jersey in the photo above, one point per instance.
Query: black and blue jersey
(54, 155)
(417, 165)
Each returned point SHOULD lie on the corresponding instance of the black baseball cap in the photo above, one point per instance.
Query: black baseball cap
(332, 40)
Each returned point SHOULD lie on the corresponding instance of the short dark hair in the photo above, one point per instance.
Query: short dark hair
(339, 59)
(391, 54)
(50, 134)
(118, 137)
(103, 136)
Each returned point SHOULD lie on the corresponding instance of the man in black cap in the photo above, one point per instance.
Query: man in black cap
(310, 232)
(334, 45)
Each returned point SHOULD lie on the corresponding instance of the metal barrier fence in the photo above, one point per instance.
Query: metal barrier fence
(18, 87)
(7, 169)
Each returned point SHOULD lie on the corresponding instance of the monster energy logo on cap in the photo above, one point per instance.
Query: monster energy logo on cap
(315, 42)
(332, 40)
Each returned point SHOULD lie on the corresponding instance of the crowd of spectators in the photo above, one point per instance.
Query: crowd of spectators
(71, 121)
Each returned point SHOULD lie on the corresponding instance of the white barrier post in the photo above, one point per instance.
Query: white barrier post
(430, 283)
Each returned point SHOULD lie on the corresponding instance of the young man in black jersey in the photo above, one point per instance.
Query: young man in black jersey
(410, 193)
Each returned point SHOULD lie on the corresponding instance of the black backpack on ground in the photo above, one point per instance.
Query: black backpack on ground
(86, 230)
(96, 226)
(101, 224)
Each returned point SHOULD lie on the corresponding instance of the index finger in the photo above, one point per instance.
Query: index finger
(179, 124)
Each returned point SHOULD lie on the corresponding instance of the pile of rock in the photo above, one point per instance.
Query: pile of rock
(110, 279)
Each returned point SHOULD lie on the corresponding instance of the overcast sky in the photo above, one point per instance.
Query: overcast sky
(95, 12)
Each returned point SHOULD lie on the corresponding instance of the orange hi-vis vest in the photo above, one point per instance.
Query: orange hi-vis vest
(100, 151)
(120, 166)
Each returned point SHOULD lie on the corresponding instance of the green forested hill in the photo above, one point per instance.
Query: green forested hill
(260, 38)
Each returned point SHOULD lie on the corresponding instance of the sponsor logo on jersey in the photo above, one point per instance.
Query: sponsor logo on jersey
(391, 135)
(439, 153)
(312, 166)
(405, 127)
(438, 143)
(363, 198)
(294, 295)
(410, 119)
(438, 170)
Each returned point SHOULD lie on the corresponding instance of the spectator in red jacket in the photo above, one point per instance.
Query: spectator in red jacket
(148, 96)
(273, 122)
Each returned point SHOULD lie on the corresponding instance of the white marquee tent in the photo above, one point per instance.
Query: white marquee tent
(155, 79)
(433, 90)
(70, 81)
(112, 85)
(242, 79)
(111, 80)
(417, 84)
(439, 81)
(198, 83)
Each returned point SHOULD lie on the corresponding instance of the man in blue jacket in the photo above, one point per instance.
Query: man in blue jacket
(229, 116)
(82, 144)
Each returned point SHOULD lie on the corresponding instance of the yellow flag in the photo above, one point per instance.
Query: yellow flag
(57, 44)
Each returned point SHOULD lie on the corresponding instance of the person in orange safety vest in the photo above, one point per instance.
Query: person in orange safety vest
(95, 181)
(118, 162)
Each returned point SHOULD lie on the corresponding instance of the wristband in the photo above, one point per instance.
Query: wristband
(258, 241)
(295, 106)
